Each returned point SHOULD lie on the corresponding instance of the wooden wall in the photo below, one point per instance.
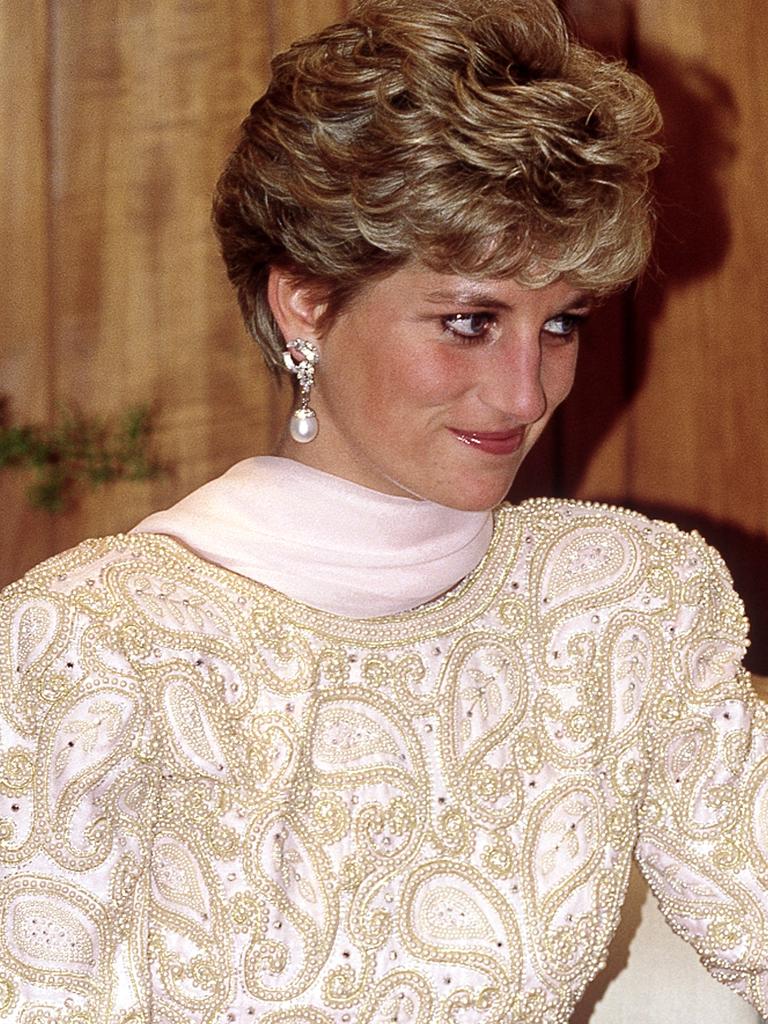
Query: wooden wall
(116, 117)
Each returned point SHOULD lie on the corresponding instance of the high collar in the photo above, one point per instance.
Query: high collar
(325, 541)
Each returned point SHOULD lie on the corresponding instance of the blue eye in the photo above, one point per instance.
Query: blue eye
(563, 325)
(468, 325)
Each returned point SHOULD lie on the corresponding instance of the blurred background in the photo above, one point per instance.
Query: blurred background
(116, 116)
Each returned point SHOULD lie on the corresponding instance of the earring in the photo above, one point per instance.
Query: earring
(303, 422)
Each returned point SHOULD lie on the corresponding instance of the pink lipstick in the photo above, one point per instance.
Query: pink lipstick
(497, 442)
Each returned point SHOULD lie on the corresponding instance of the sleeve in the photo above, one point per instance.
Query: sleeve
(76, 810)
(703, 823)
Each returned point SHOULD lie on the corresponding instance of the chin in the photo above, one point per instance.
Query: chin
(475, 500)
(489, 492)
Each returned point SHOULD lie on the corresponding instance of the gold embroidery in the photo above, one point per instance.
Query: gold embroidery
(221, 805)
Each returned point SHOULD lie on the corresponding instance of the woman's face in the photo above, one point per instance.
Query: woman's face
(436, 386)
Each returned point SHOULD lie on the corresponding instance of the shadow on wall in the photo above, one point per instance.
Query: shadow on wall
(693, 238)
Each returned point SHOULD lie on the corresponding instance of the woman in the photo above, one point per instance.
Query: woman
(341, 738)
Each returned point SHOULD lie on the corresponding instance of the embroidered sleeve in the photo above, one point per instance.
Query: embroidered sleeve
(703, 843)
(76, 799)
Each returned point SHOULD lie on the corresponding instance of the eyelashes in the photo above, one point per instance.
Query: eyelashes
(564, 325)
(472, 328)
(468, 326)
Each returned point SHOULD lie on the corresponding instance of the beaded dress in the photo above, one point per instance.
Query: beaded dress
(221, 804)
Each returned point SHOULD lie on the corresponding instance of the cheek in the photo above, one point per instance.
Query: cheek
(418, 379)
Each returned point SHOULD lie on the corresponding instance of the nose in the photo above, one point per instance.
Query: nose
(512, 384)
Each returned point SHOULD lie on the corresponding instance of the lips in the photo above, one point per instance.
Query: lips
(496, 442)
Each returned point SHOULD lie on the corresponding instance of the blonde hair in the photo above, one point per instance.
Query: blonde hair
(474, 136)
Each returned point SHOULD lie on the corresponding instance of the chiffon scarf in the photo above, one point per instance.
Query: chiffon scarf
(324, 541)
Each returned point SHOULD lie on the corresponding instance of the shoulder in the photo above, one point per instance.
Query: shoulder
(85, 575)
(53, 604)
(579, 548)
(62, 573)
(44, 617)
(99, 610)
(71, 624)
(548, 515)
(567, 519)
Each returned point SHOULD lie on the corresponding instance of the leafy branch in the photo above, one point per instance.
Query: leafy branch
(79, 451)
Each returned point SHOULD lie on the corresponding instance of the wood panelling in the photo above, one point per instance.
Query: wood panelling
(118, 117)
(700, 412)
(707, 362)
(708, 359)
(293, 19)
(147, 98)
(25, 321)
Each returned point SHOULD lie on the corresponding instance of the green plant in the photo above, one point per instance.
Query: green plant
(79, 450)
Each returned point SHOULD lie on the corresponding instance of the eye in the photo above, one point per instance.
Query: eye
(564, 325)
(468, 326)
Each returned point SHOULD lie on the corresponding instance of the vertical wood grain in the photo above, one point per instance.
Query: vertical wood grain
(292, 19)
(701, 439)
(121, 116)
(148, 98)
(25, 382)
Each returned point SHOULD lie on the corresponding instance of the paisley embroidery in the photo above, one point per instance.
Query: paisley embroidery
(345, 736)
(453, 909)
(447, 913)
(484, 700)
(190, 724)
(87, 738)
(50, 935)
(172, 603)
(36, 628)
(585, 562)
(176, 877)
(52, 928)
(633, 653)
(219, 805)
(403, 996)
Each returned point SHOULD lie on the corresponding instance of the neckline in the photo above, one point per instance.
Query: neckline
(468, 599)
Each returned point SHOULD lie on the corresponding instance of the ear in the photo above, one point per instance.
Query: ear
(297, 304)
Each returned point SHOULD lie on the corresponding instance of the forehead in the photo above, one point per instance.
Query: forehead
(416, 283)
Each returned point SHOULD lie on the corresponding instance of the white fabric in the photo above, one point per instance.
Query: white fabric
(325, 541)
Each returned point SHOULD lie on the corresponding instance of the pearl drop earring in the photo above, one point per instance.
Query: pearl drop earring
(303, 422)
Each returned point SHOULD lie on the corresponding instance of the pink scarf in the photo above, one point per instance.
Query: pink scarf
(325, 541)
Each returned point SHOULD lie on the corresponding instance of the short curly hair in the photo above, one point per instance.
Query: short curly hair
(475, 136)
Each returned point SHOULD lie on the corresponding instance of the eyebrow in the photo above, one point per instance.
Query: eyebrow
(474, 297)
